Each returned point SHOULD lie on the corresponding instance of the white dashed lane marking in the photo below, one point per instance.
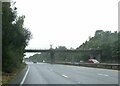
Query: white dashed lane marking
(65, 76)
(102, 74)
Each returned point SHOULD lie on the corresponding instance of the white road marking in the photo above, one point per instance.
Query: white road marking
(40, 63)
(24, 76)
(103, 74)
(65, 76)
(113, 70)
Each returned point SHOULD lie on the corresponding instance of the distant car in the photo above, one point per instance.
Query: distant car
(43, 60)
(34, 62)
(81, 61)
(93, 61)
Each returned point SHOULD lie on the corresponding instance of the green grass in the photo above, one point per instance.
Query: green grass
(7, 77)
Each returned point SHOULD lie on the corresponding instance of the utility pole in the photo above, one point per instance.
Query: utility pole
(0, 41)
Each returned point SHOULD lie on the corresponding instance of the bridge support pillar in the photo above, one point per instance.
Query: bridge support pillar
(52, 57)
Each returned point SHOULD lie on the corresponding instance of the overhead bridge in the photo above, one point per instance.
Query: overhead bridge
(53, 51)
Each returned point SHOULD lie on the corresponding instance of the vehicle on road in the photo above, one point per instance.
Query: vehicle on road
(34, 62)
(43, 61)
(93, 61)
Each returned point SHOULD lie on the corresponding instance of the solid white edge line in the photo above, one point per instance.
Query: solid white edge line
(24, 77)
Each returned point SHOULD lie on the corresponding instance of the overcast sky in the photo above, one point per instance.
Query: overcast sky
(66, 22)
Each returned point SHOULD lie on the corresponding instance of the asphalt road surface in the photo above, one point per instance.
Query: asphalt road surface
(43, 73)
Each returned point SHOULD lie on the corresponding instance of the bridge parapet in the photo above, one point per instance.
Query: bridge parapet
(67, 50)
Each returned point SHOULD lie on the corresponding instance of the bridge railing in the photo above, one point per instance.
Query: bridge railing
(67, 50)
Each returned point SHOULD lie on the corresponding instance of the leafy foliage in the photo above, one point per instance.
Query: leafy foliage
(107, 42)
(14, 37)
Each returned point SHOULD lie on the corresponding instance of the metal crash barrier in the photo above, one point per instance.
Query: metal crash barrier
(96, 65)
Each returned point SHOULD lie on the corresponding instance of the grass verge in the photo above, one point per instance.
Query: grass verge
(7, 77)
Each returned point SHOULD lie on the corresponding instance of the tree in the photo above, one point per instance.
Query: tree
(15, 37)
(116, 50)
(106, 41)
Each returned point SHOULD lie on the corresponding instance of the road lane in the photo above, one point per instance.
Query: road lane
(44, 73)
(85, 75)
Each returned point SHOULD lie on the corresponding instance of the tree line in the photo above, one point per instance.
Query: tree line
(106, 41)
(15, 37)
